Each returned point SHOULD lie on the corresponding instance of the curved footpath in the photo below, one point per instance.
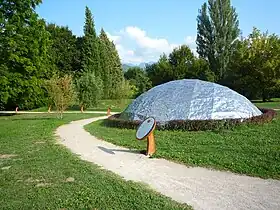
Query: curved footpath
(202, 188)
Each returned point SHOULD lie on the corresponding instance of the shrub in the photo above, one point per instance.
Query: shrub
(194, 125)
(61, 92)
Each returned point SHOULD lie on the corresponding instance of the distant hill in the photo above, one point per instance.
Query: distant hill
(126, 66)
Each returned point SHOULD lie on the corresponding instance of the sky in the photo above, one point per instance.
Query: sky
(144, 29)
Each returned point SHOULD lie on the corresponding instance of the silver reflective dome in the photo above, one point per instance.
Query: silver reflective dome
(190, 99)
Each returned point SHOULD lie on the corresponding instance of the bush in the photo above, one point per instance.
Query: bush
(194, 125)
(61, 92)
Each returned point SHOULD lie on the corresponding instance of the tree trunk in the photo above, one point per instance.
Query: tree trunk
(61, 114)
(82, 109)
(264, 96)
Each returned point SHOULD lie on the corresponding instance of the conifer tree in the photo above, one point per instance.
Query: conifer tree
(112, 74)
(90, 51)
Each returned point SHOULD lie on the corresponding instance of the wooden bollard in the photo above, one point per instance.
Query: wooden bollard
(109, 111)
(151, 146)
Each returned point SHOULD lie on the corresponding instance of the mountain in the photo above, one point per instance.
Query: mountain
(125, 67)
(142, 65)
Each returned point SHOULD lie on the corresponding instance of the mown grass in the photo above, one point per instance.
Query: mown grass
(102, 105)
(274, 103)
(252, 150)
(36, 177)
(120, 105)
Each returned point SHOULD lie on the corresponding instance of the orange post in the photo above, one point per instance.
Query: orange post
(151, 146)
(109, 111)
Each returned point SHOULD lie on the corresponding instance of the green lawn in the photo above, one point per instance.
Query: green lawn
(34, 171)
(115, 105)
(120, 105)
(273, 104)
(252, 150)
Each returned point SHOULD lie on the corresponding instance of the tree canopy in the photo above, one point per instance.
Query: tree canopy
(217, 29)
(32, 51)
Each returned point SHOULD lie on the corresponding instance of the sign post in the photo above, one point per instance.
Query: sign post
(146, 130)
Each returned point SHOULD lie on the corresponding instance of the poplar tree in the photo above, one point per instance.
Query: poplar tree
(217, 30)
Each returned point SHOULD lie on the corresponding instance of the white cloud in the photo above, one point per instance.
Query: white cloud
(113, 38)
(135, 46)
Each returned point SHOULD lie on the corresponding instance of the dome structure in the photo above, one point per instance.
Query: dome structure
(190, 99)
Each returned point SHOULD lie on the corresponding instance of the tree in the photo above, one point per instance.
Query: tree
(256, 65)
(64, 49)
(106, 64)
(216, 33)
(112, 74)
(181, 59)
(61, 91)
(124, 91)
(138, 78)
(200, 70)
(181, 63)
(160, 72)
(90, 51)
(89, 88)
(23, 54)
(116, 73)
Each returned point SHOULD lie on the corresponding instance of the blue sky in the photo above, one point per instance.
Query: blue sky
(144, 29)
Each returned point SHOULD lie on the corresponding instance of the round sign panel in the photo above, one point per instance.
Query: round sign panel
(145, 128)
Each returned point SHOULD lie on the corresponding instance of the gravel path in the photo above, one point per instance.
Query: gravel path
(202, 188)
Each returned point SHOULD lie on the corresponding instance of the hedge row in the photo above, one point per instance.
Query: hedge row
(194, 125)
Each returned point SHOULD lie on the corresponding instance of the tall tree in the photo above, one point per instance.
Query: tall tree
(118, 80)
(90, 51)
(64, 50)
(217, 30)
(23, 54)
(112, 74)
(106, 63)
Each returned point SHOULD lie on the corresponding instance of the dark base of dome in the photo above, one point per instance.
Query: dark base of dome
(194, 125)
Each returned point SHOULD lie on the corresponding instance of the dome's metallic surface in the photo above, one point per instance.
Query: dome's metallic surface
(190, 99)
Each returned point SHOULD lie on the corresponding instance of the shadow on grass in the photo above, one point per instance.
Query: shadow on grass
(267, 101)
(7, 114)
(34, 118)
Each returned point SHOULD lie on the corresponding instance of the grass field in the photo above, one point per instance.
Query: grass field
(37, 173)
(115, 105)
(120, 105)
(273, 104)
(252, 150)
